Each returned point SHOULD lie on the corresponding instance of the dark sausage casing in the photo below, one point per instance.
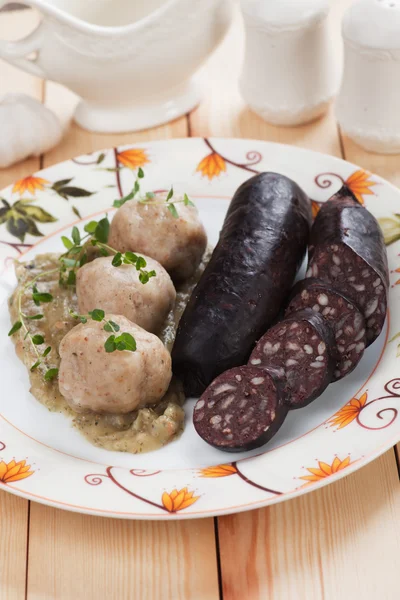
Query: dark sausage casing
(347, 249)
(261, 247)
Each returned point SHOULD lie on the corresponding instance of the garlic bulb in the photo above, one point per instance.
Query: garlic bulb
(27, 128)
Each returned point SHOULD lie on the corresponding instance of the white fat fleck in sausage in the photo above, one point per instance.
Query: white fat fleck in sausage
(256, 361)
(371, 307)
(321, 347)
(257, 380)
(224, 387)
(376, 282)
(360, 347)
(316, 308)
(317, 365)
(200, 404)
(291, 362)
(336, 259)
(360, 335)
(323, 299)
(215, 419)
(292, 346)
(308, 349)
(359, 287)
(228, 401)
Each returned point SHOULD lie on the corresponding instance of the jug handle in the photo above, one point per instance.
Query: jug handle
(16, 52)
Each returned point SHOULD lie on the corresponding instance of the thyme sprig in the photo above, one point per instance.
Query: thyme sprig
(122, 341)
(36, 340)
(169, 202)
(127, 258)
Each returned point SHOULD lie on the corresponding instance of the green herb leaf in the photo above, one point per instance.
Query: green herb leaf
(75, 250)
(39, 297)
(130, 258)
(37, 339)
(150, 195)
(125, 341)
(187, 201)
(35, 365)
(67, 242)
(114, 325)
(103, 252)
(144, 276)
(71, 279)
(121, 201)
(111, 327)
(102, 230)
(15, 328)
(90, 227)
(100, 158)
(51, 374)
(140, 263)
(170, 194)
(140, 173)
(136, 187)
(110, 344)
(34, 317)
(83, 260)
(47, 351)
(173, 211)
(97, 314)
(76, 236)
(117, 260)
(68, 262)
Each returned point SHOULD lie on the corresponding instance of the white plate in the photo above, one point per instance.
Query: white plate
(188, 478)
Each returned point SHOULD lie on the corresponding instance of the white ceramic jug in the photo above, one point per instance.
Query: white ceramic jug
(131, 61)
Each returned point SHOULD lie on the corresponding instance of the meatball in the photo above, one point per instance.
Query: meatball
(177, 243)
(118, 290)
(91, 379)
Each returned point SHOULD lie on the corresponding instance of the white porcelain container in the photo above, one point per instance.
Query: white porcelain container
(368, 107)
(290, 72)
(131, 61)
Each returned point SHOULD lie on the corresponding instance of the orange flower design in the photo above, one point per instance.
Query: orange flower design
(178, 500)
(315, 207)
(349, 412)
(326, 470)
(218, 471)
(212, 165)
(360, 184)
(14, 471)
(133, 158)
(29, 184)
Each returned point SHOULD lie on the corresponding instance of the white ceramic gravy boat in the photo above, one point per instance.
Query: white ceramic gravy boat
(131, 61)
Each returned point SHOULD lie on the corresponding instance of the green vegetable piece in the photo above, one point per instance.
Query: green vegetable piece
(34, 317)
(35, 365)
(140, 173)
(97, 314)
(144, 276)
(102, 230)
(140, 263)
(130, 258)
(67, 242)
(117, 260)
(172, 209)
(83, 260)
(111, 327)
(125, 341)
(51, 374)
(90, 227)
(17, 325)
(170, 194)
(37, 339)
(150, 195)
(47, 351)
(39, 297)
(187, 201)
(71, 280)
(110, 344)
(76, 236)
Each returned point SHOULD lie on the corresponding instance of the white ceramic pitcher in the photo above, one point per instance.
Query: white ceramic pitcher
(131, 61)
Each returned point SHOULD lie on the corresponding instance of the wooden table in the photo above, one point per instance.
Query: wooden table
(338, 543)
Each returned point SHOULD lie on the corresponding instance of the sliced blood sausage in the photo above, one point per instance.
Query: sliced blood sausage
(240, 410)
(347, 249)
(345, 318)
(302, 349)
(251, 271)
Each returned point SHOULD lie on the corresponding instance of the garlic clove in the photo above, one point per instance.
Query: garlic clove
(27, 129)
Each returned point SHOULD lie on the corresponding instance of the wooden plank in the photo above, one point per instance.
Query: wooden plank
(76, 556)
(13, 510)
(337, 543)
(13, 546)
(301, 549)
(96, 558)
